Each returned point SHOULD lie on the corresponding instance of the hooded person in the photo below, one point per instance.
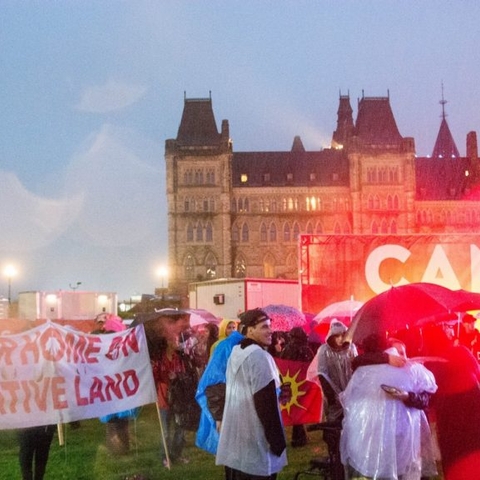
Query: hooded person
(225, 329)
(334, 368)
(210, 393)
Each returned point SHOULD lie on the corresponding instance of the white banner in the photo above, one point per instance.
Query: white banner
(51, 374)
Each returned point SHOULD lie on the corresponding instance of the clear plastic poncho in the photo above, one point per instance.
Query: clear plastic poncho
(382, 438)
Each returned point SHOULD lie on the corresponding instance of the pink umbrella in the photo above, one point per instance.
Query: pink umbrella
(284, 317)
(199, 316)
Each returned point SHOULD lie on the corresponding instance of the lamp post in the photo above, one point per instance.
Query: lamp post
(74, 287)
(10, 271)
(162, 272)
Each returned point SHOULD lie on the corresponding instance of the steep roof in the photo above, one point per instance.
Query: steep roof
(198, 126)
(375, 122)
(445, 145)
(442, 178)
(295, 168)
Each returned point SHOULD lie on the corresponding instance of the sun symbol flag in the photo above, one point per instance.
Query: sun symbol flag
(305, 404)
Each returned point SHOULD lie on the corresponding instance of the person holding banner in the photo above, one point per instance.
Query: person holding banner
(35, 445)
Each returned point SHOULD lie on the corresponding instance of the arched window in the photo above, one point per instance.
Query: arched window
(296, 231)
(273, 232)
(374, 227)
(235, 233)
(396, 202)
(376, 202)
(263, 233)
(347, 228)
(208, 232)
(309, 228)
(211, 266)
(319, 229)
(370, 202)
(233, 205)
(245, 233)
(189, 232)
(389, 203)
(393, 227)
(269, 266)
(199, 234)
(286, 232)
(337, 229)
(384, 227)
(240, 267)
(186, 204)
(246, 205)
(189, 267)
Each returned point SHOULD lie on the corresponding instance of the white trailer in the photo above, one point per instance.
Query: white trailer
(226, 298)
(65, 305)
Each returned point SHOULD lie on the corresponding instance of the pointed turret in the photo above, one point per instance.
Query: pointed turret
(345, 124)
(297, 145)
(445, 145)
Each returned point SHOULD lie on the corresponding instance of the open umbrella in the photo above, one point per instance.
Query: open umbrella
(405, 306)
(199, 316)
(284, 317)
(343, 311)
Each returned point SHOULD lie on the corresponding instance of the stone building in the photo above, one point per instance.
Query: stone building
(239, 214)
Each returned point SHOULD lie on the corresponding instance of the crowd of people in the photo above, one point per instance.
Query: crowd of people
(399, 417)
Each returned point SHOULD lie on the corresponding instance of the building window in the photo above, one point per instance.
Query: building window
(335, 177)
(189, 267)
(199, 234)
(245, 233)
(210, 177)
(189, 232)
(240, 267)
(235, 236)
(244, 178)
(186, 205)
(198, 177)
(286, 232)
(374, 228)
(269, 266)
(211, 266)
(309, 228)
(296, 231)
(289, 177)
(234, 205)
(263, 233)
(273, 232)
(313, 176)
(266, 178)
(209, 232)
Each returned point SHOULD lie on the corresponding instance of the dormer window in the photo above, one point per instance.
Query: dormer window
(289, 177)
(335, 177)
(266, 178)
(313, 176)
(244, 178)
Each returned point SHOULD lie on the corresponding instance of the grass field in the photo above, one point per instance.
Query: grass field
(85, 457)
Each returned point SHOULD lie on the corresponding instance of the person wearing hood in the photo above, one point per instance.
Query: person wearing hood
(226, 327)
(334, 368)
(252, 443)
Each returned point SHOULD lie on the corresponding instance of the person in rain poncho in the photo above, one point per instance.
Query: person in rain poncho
(334, 367)
(384, 436)
(252, 440)
(210, 393)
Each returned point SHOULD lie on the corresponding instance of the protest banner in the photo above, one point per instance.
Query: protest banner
(51, 374)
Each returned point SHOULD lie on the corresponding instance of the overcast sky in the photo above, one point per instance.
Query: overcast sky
(90, 91)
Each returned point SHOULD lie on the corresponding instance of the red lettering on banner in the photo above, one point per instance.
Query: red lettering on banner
(124, 345)
(30, 347)
(96, 390)
(58, 393)
(11, 388)
(81, 401)
(36, 393)
(7, 347)
(125, 384)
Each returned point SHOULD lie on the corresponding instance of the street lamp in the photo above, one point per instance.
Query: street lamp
(74, 287)
(162, 272)
(10, 271)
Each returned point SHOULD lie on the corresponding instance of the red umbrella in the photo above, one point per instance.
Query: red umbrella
(405, 306)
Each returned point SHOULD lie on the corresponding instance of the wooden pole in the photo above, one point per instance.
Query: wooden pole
(164, 440)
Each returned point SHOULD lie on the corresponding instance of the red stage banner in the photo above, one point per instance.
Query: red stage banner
(334, 268)
(51, 374)
(305, 405)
